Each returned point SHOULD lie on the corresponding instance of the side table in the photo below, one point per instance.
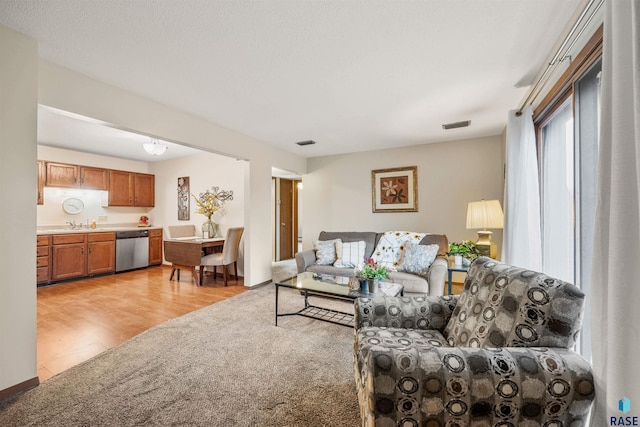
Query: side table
(451, 270)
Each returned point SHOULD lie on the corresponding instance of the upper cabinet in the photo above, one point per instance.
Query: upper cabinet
(125, 188)
(61, 175)
(74, 176)
(94, 178)
(144, 189)
(131, 189)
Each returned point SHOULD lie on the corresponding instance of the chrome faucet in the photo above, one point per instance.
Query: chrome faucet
(74, 225)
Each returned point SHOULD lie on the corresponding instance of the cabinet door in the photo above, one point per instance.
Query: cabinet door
(94, 178)
(40, 182)
(121, 188)
(155, 250)
(61, 175)
(101, 257)
(69, 261)
(42, 260)
(144, 190)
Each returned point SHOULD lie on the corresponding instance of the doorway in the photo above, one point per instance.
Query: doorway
(286, 225)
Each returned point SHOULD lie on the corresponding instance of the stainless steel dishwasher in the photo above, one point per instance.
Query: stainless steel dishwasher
(132, 249)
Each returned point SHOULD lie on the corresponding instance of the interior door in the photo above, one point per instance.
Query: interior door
(286, 219)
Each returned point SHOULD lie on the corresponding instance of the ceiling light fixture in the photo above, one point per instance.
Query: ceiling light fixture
(154, 147)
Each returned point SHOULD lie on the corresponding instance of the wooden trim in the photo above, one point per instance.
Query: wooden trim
(587, 56)
(23, 386)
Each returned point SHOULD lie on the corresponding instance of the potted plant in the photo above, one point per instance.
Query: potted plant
(463, 252)
(369, 272)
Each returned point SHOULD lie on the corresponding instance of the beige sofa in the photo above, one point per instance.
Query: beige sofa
(431, 284)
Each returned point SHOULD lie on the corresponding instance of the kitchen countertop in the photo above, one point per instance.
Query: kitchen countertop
(98, 229)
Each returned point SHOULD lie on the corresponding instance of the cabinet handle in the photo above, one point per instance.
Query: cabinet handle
(81, 251)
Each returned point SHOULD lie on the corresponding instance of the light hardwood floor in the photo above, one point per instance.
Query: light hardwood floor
(78, 320)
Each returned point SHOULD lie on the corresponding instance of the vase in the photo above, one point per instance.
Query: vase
(364, 285)
(458, 260)
(373, 285)
(209, 229)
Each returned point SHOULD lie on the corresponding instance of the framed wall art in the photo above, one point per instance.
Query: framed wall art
(183, 198)
(395, 190)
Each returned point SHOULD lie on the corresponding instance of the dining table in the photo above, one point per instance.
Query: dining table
(186, 252)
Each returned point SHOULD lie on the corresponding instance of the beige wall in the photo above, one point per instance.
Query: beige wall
(337, 189)
(18, 180)
(204, 170)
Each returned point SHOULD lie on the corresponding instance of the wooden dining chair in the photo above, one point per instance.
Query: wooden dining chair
(228, 256)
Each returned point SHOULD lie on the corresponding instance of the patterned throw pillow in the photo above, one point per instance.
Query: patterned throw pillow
(418, 258)
(505, 306)
(391, 246)
(325, 251)
(349, 254)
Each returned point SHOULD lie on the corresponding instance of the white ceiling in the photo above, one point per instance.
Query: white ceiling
(352, 75)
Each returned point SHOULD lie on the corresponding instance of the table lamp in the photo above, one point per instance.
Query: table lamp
(482, 215)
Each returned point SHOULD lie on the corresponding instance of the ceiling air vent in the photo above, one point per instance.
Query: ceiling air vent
(455, 125)
(303, 143)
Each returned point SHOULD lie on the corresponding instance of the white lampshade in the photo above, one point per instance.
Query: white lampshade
(485, 214)
(154, 147)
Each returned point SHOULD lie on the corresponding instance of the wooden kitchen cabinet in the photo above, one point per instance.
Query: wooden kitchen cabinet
(43, 252)
(41, 175)
(145, 188)
(69, 256)
(101, 253)
(131, 189)
(155, 246)
(121, 188)
(66, 175)
(94, 178)
(61, 175)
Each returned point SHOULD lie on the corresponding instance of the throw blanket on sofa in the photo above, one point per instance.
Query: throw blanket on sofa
(391, 246)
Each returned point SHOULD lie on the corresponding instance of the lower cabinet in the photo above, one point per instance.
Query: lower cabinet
(101, 253)
(76, 255)
(82, 254)
(155, 246)
(69, 256)
(43, 253)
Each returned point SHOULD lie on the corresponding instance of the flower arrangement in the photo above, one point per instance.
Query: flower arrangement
(370, 269)
(212, 201)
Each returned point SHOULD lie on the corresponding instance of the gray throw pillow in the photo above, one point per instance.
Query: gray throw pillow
(325, 251)
(417, 258)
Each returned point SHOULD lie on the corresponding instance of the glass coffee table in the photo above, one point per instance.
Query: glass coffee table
(330, 287)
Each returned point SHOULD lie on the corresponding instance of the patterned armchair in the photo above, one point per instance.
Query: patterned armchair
(497, 355)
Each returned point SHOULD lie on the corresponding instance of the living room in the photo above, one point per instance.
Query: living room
(452, 171)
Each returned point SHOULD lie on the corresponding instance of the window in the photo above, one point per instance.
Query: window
(567, 136)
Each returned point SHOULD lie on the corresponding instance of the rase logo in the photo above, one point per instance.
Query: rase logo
(624, 406)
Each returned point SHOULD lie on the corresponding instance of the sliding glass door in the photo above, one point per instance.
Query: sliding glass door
(568, 156)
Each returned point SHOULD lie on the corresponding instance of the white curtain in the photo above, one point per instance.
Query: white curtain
(521, 238)
(615, 289)
(558, 214)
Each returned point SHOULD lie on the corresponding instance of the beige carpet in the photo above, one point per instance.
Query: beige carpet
(223, 365)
